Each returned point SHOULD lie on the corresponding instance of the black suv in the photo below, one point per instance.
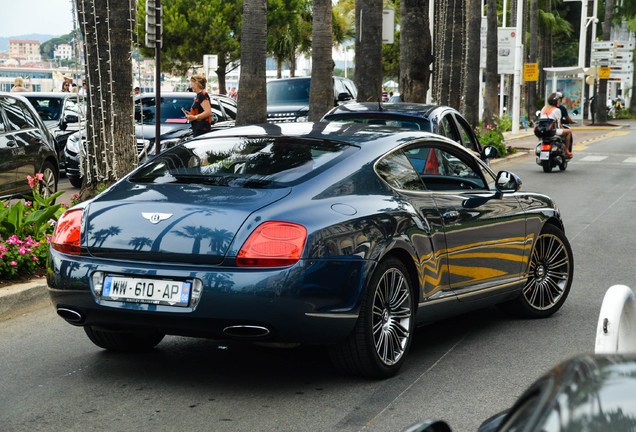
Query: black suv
(61, 113)
(288, 98)
(26, 148)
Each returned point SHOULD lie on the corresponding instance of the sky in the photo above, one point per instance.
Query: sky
(21, 17)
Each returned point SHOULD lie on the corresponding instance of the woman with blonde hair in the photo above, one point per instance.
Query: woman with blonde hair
(200, 115)
(18, 85)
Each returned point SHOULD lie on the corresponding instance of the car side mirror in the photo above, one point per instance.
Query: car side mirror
(71, 118)
(490, 152)
(344, 96)
(507, 182)
(429, 426)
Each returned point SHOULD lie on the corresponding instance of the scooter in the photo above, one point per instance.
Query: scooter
(549, 151)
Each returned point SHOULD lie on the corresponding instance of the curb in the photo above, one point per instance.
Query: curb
(22, 298)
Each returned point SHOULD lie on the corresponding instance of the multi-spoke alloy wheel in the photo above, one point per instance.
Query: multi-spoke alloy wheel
(48, 185)
(391, 316)
(382, 336)
(550, 274)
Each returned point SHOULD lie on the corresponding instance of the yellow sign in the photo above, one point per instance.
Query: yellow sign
(531, 72)
(604, 72)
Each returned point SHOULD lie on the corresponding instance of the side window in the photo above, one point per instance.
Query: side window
(18, 116)
(398, 172)
(441, 169)
(467, 135)
(216, 109)
(72, 107)
(447, 129)
(230, 109)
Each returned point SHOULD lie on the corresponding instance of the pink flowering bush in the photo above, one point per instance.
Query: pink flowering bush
(26, 227)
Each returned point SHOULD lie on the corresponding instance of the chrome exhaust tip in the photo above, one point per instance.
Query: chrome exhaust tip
(246, 331)
(70, 315)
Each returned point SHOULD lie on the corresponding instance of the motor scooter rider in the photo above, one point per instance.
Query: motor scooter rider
(565, 118)
(551, 110)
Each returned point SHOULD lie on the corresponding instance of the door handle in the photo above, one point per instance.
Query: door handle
(451, 215)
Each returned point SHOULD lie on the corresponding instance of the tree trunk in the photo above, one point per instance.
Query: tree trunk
(533, 54)
(450, 36)
(470, 91)
(252, 103)
(111, 144)
(415, 50)
(221, 72)
(601, 100)
(368, 50)
(321, 85)
(491, 106)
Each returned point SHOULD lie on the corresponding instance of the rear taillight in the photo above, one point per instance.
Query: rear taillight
(273, 244)
(66, 237)
(546, 147)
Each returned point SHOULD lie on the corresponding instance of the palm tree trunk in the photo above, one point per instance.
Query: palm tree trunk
(533, 54)
(252, 103)
(415, 50)
(368, 50)
(470, 91)
(321, 85)
(450, 29)
(111, 145)
(491, 106)
(601, 100)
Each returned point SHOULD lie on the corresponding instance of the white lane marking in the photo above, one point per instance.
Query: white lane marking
(593, 158)
(630, 160)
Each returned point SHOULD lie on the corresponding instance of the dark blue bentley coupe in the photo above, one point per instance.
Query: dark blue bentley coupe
(341, 234)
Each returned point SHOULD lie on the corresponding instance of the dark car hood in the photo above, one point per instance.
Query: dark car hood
(287, 108)
(197, 222)
(167, 130)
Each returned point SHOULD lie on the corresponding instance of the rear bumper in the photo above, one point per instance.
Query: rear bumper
(309, 302)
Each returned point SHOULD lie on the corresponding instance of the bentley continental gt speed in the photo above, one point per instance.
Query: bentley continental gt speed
(341, 234)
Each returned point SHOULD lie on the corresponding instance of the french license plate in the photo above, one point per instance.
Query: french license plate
(143, 290)
(545, 155)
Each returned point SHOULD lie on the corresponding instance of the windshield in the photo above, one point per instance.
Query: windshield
(288, 92)
(50, 108)
(382, 119)
(170, 109)
(249, 162)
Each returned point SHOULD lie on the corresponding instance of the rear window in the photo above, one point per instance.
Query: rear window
(171, 109)
(382, 119)
(285, 92)
(248, 162)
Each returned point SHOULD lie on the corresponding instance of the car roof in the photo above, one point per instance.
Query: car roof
(182, 95)
(58, 95)
(377, 139)
(401, 108)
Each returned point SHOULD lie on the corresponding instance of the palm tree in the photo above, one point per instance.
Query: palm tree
(450, 38)
(321, 84)
(601, 111)
(252, 101)
(112, 149)
(470, 83)
(490, 73)
(368, 50)
(415, 50)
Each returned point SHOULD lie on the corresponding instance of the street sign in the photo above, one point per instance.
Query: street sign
(623, 45)
(602, 45)
(622, 76)
(625, 55)
(623, 67)
(388, 26)
(603, 55)
(531, 72)
(604, 72)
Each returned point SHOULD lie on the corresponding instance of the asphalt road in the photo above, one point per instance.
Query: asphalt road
(461, 370)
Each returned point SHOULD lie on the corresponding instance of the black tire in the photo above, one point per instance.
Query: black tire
(563, 165)
(547, 166)
(550, 274)
(382, 336)
(48, 185)
(75, 181)
(123, 341)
